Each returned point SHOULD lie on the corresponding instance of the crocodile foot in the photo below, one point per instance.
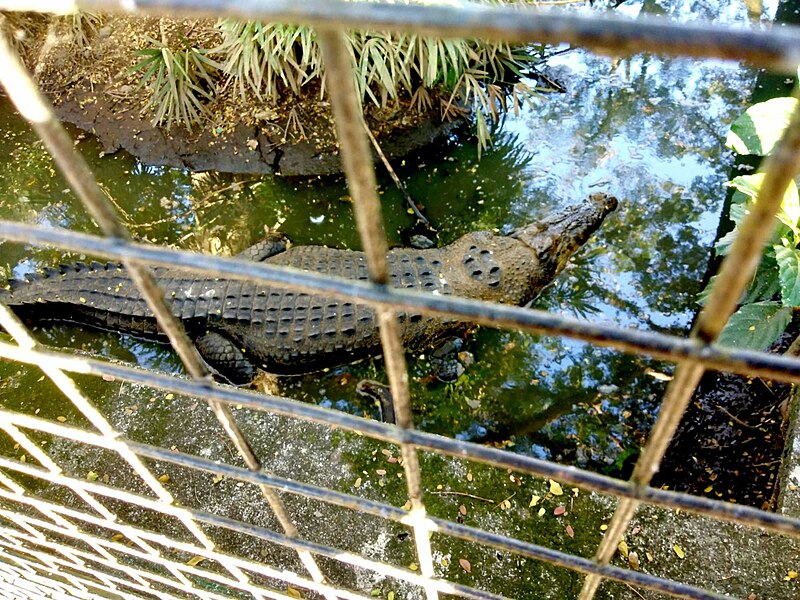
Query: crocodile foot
(272, 244)
(225, 358)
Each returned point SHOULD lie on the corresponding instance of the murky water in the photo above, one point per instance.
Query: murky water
(646, 129)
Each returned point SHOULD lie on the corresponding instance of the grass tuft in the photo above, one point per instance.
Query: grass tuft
(470, 76)
(268, 60)
(180, 81)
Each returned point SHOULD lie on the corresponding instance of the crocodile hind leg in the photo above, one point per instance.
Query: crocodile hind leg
(272, 244)
(224, 357)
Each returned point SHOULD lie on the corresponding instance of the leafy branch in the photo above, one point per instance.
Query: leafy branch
(773, 295)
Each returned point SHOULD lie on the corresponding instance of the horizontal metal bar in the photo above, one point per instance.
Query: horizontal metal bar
(735, 513)
(665, 347)
(30, 579)
(555, 557)
(603, 32)
(388, 433)
(348, 558)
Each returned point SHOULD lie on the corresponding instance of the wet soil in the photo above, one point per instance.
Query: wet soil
(246, 147)
(93, 87)
(730, 441)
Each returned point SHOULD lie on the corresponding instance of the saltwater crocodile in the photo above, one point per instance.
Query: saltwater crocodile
(238, 326)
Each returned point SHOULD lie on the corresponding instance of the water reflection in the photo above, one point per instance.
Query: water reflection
(646, 129)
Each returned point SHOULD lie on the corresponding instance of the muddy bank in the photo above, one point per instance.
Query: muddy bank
(261, 148)
(730, 441)
(95, 84)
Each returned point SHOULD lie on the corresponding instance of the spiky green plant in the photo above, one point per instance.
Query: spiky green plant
(180, 81)
(471, 75)
(258, 57)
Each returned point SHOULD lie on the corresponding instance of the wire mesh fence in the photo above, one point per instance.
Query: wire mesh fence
(132, 537)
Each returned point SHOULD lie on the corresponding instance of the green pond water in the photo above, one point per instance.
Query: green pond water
(648, 129)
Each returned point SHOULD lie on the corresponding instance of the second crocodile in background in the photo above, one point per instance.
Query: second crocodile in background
(238, 326)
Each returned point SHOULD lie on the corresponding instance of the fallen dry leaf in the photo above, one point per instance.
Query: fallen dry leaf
(555, 488)
(559, 510)
(294, 593)
(679, 551)
(570, 531)
(465, 565)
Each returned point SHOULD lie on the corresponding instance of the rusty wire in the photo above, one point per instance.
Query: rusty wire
(69, 570)
(777, 49)
(737, 269)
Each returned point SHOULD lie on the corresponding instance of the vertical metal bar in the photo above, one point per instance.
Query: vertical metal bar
(359, 170)
(735, 272)
(33, 106)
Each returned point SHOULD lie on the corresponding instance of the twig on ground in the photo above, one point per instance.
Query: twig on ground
(396, 179)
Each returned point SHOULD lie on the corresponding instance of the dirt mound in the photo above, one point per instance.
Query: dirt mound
(88, 76)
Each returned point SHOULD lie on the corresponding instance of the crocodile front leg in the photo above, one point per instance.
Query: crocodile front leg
(272, 244)
(225, 358)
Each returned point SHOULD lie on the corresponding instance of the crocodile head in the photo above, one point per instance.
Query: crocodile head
(558, 236)
(514, 268)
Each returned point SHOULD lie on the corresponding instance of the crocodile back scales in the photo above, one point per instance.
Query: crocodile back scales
(283, 330)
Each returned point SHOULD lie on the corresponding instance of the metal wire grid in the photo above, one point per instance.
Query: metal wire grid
(45, 568)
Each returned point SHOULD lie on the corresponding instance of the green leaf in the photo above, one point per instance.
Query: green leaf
(748, 184)
(789, 213)
(702, 297)
(789, 269)
(765, 284)
(756, 326)
(723, 245)
(759, 129)
(738, 212)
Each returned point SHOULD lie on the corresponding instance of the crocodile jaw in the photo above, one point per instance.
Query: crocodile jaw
(556, 238)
